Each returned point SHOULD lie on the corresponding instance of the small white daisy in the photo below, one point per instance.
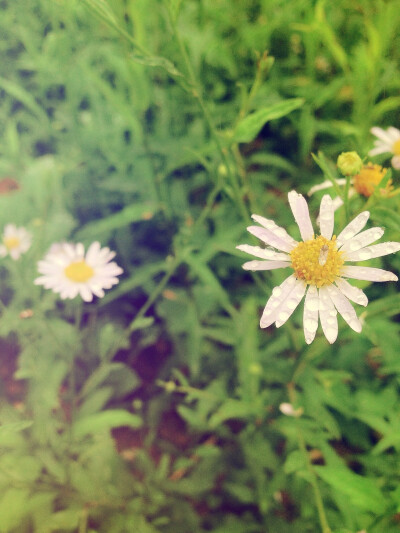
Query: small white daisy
(68, 271)
(16, 241)
(387, 141)
(318, 264)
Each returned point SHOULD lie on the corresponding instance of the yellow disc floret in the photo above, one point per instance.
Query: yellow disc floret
(368, 178)
(79, 271)
(11, 242)
(317, 261)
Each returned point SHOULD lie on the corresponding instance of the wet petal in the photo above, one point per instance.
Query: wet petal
(362, 239)
(370, 252)
(354, 227)
(326, 218)
(275, 229)
(270, 238)
(290, 303)
(310, 315)
(263, 253)
(344, 307)
(354, 294)
(301, 214)
(265, 265)
(327, 315)
(277, 297)
(368, 273)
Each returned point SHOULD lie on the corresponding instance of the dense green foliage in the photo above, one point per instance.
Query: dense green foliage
(157, 127)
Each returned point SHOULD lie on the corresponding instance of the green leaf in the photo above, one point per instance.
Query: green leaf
(248, 128)
(387, 217)
(17, 92)
(231, 409)
(104, 421)
(13, 504)
(128, 215)
(362, 491)
(295, 462)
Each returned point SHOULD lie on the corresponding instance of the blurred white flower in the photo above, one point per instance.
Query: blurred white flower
(67, 270)
(318, 264)
(15, 242)
(363, 183)
(387, 141)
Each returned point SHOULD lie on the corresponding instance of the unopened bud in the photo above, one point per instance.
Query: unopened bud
(349, 163)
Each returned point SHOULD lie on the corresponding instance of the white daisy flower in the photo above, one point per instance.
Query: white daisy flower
(16, 241)
(319, 270)
(387, 141)
(67, 270)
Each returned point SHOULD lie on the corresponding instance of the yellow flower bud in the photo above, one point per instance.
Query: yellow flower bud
(349, 163)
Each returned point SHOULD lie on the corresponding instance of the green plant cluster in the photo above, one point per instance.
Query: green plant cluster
(157, 127)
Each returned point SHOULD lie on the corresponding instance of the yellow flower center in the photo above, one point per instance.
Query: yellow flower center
(368, 178)
(396, 147)
(11, 242)
(317, 261)
(79, 271)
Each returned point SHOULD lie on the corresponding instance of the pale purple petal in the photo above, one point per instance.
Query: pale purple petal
(344, 307)
(352, 228)
(396, 162)
(270, 238)
(275, 229)
(325, 185)
(354, 294)
(362, 239)
(278, 295)
(301, 214)
(326, 218)
(265, 265)
(367, 273)
(310, 315)
(383, 135)
(327, 315)
(376, 250)
(263, 253)
(290, 303)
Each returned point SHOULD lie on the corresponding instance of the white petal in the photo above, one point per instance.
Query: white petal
(327, 315)
(394, 133)
(345, 308)
(362, 239)
(353, 293)
(310, 315)
(396, 162)
(370, 252)
(277, 297)
(277, 230)
(367, 273)
(270, 238)
(263, 253)
(290, 303)
(326, 218)
(383, 135)
(380, 148)
(265, 265)
(337, 202)
(353, 228)
(301, 214)
(325, 185)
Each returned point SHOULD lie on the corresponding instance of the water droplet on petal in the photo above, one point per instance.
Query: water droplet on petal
(283, 316)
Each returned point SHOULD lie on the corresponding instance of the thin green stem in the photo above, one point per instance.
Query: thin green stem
(313, 477)
(197, 92)
(157, 290)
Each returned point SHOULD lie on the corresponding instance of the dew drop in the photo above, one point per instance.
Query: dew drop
(310, 325)
(277, 291)
(291, 304)
(312, 304)
(283, 316)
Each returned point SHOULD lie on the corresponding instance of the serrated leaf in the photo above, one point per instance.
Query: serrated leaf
(248, 128)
